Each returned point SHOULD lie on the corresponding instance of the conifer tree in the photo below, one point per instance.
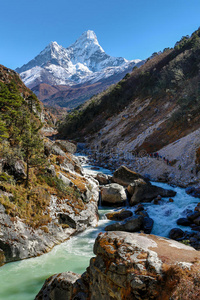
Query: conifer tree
(32, 147)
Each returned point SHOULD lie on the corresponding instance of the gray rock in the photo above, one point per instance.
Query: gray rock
(148, 224)
(51, 170)
(131, 187)
(66, 146)
(113, 194)
(58, 287)
(147, 192)
(102, 178)
(55, 149)
(17, 169)
(131, 224)
(65, 180)
(197, 221)
(119, 215)
(176, 234)
(183, 222)
(125, 176)
(193, 216)
(67, 220)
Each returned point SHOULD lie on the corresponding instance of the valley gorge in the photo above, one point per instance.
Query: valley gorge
(111, 191)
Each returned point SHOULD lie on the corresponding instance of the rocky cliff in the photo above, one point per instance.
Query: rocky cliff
(131, 266)
(68, 206)
(44, 197)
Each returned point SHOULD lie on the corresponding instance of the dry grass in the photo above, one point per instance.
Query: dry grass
(188, 286)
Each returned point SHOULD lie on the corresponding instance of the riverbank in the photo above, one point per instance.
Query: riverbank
(26, 277)
(65, 203)
(183, 170)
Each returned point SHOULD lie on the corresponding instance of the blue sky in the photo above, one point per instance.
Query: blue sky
(128, 28)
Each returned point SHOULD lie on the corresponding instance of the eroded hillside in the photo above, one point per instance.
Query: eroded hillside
(154, 106)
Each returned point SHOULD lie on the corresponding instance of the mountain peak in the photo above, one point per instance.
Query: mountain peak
(53, 44)
(89, 35)
(83, 61)
(88, 40)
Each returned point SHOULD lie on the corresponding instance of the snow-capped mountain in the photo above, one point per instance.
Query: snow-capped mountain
(83, 62)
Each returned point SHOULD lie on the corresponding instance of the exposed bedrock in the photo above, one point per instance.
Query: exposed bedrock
(130, 266)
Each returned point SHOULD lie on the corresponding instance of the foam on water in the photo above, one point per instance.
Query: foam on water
(166, 213)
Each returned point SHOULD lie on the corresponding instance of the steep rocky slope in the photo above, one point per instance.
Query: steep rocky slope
(61, 204)
(151, 108)
(44, 197)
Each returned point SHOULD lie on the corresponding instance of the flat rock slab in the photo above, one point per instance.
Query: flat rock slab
(129, 266)
(165, 250)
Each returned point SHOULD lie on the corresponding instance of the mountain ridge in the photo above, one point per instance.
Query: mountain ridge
(73, 65)
(84, 63)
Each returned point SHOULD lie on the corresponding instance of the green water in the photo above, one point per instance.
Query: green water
(22, 280)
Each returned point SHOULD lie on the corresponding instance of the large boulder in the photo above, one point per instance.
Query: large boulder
(16, 169)
(183, 222)
(125, 176)
(176, 234)
(132, 186)
(102, 178)
(55, 149)
(132, 224)
(113, 194)
(131, 266)
(147, 192)
(148, 224)
(58, 287)
(195, 192)
(119, 215)
(66, 146)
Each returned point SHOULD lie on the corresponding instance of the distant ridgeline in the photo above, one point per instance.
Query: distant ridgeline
(169, 81)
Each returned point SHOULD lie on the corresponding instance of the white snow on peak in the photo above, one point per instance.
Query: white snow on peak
(89, 34)
(83, 61)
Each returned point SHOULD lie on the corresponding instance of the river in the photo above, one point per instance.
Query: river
(22, 280)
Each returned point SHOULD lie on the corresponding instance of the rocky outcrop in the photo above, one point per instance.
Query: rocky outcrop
(19, 240)
(72, 213)
(67, 146)
(125, 176)
(113, 194)
(130, 266)
(15, 168)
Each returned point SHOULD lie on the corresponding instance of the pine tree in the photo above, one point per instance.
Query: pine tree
(3, 131)
(32, 147)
